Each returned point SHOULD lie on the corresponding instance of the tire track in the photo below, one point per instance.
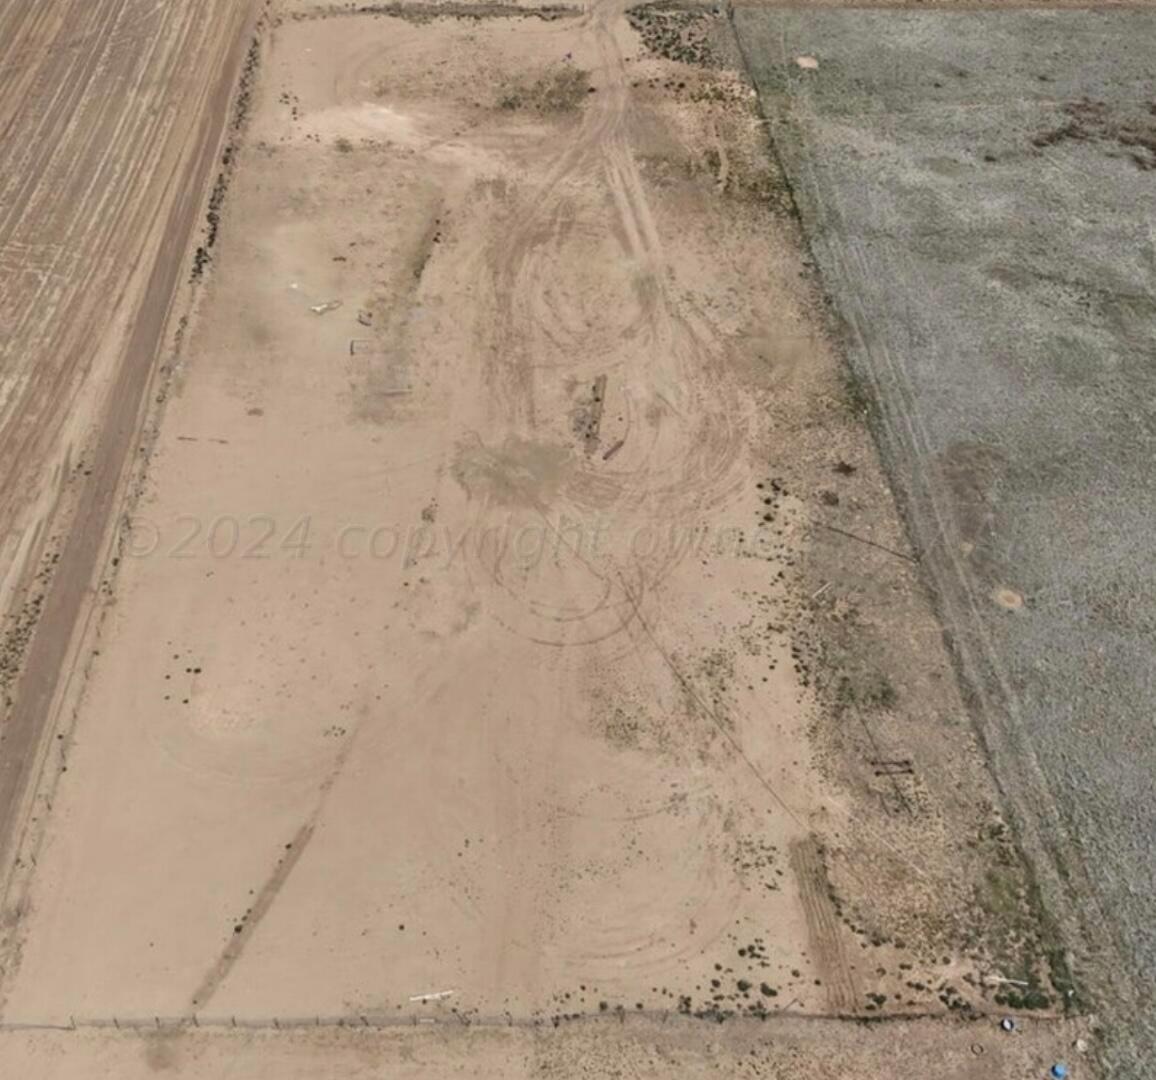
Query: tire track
(244, 929)
(687, 433)
(823, 927)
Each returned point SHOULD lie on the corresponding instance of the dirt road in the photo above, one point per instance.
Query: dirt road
(110, 114)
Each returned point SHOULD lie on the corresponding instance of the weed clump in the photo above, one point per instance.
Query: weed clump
(559, 90)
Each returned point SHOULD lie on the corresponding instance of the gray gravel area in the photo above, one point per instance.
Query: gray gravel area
(979, 191)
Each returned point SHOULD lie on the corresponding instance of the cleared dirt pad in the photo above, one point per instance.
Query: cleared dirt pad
(464, 658)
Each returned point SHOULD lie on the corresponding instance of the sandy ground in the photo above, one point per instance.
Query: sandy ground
(513, 622)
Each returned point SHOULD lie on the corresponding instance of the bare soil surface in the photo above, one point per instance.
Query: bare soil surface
(512, 623)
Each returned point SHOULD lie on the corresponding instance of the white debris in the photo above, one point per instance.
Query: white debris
(808, 63)
(329, 305)
(437, 995)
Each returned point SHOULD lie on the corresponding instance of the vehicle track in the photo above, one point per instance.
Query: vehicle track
(650, 351)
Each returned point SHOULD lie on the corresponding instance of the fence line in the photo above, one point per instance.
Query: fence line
(299, 1023)
(380, 1021)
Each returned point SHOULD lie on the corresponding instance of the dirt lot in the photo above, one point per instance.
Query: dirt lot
(512, 623)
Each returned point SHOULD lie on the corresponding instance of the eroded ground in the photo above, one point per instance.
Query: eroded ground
(515, 612)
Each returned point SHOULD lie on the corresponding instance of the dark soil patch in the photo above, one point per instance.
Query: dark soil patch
(1093, 121)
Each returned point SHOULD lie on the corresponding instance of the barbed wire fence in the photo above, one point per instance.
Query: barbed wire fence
(194, 1021)
(451, 1019)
